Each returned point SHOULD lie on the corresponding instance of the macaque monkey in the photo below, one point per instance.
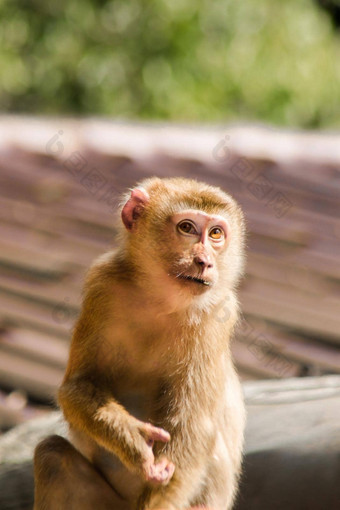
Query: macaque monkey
(151, 396)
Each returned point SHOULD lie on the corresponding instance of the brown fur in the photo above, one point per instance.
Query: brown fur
(145, 349)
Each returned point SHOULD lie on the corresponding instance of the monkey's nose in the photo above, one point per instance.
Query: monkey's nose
(203, 261)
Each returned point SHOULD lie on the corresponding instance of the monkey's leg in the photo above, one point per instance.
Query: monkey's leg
(191, 489)
(65, 480)
(221, 483)
(179, 494)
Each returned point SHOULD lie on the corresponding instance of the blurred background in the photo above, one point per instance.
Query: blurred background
(96, 95)
(183, 60)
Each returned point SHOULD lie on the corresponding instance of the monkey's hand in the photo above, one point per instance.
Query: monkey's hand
(161, 471)
(112, 427)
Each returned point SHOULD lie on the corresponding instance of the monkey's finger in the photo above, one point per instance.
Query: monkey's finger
(156, 434)
(161, 463)
(168, 471)
(161, 472)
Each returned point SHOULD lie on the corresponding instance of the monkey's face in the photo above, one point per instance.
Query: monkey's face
(198, 241)
(185, 238)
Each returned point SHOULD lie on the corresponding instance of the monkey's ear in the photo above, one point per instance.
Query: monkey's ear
(134, 207)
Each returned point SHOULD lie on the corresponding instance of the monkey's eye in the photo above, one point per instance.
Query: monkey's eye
(216, 233)
(186, 227)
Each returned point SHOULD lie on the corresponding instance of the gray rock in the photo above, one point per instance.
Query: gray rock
(292, 459)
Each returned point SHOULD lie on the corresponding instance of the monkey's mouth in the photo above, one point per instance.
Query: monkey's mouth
(195, 279)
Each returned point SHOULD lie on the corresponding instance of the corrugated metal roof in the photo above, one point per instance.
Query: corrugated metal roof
(60, 182)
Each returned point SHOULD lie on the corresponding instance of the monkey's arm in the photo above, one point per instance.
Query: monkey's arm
(86, 394)
(90, 408)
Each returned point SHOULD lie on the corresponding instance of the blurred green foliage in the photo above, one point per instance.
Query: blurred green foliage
(187, 60)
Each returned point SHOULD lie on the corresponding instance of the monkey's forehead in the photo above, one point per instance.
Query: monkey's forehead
(201, 217)
(199, 205)
(189, 191)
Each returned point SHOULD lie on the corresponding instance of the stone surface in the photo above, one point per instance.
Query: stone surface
(292, 459)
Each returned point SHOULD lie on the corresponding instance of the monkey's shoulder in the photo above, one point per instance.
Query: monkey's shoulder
(109, 265)
(107, 277)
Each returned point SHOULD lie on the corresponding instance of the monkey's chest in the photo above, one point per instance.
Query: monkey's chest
(138, 402)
